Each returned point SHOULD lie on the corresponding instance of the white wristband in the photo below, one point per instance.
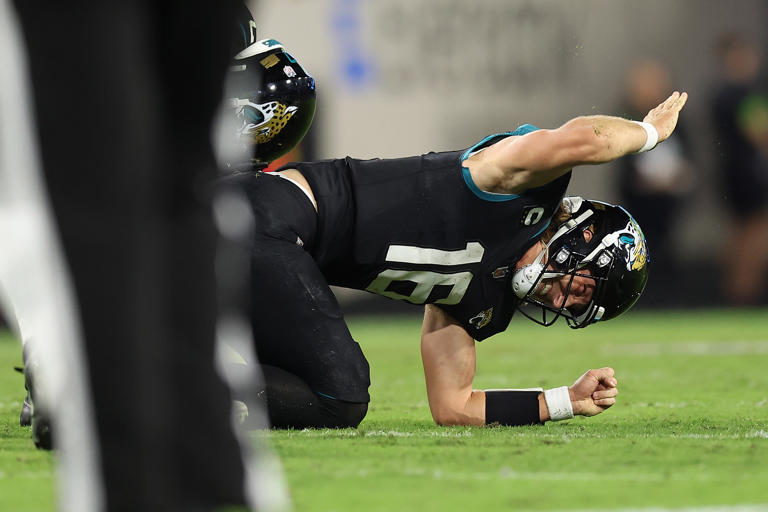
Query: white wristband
(559, 403)
(651, 136)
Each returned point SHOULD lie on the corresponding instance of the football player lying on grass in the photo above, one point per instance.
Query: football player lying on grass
(474, 235)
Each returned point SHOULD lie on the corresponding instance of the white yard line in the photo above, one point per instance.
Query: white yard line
(563, 436)
(31, 475)
(694, 348)
(333, 433)
(506, 473)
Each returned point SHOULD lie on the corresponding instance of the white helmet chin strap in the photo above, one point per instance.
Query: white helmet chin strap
(585, 316)
(525, 278)
(533, 273)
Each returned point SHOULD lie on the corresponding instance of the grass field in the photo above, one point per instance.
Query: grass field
(690, 430)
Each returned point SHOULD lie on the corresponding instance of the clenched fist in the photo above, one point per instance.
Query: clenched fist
(594, 392)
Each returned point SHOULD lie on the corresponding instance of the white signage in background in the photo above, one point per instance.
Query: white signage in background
(486, 47)
(494, 46)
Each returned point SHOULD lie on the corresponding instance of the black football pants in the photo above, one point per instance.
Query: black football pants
(124, 97)
(316, 375)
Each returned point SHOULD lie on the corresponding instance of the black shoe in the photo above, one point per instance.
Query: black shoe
(41, 432)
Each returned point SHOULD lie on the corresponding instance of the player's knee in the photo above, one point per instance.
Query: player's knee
(355, 413)
(340, 414)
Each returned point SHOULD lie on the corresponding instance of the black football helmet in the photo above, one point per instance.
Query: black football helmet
(245, 29)
(272, 100)
(615, 257)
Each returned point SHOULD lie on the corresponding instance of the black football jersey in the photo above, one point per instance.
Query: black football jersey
(418, 229)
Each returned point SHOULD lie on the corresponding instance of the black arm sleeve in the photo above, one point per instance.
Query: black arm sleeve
(512, 408)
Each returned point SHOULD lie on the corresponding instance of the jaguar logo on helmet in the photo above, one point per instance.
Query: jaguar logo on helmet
(273, 104)
(632, 242)
(262, 123)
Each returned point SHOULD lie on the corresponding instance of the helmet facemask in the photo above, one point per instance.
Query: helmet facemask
(613, 260)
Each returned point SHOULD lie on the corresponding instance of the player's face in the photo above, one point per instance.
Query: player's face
(555, 291)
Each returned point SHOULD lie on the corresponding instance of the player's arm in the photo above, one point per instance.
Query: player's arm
(516, 164)
(448, 355)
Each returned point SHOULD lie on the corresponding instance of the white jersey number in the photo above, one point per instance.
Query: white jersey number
(426, 280)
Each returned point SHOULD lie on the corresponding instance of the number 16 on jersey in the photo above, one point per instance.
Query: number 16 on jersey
(427, 280)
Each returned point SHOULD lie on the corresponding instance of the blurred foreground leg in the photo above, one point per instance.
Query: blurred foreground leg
(124, 97)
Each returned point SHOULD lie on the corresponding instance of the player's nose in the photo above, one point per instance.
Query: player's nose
(574, 285)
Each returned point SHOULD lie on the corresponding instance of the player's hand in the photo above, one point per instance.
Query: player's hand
(594, 392)
(664, 117)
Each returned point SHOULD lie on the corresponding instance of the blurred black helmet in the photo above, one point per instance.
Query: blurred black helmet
(615, 257)
(272, 99)
(245, 30)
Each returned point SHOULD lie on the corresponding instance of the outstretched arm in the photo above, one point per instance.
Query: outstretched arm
(518, 163)
(448, 354)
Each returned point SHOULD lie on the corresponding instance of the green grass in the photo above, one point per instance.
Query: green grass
(690, 428)
(26, 482)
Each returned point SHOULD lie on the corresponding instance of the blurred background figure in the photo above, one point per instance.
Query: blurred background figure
(740, 111)
(654, 185)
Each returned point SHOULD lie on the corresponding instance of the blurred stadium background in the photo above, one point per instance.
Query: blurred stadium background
(401, 77)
